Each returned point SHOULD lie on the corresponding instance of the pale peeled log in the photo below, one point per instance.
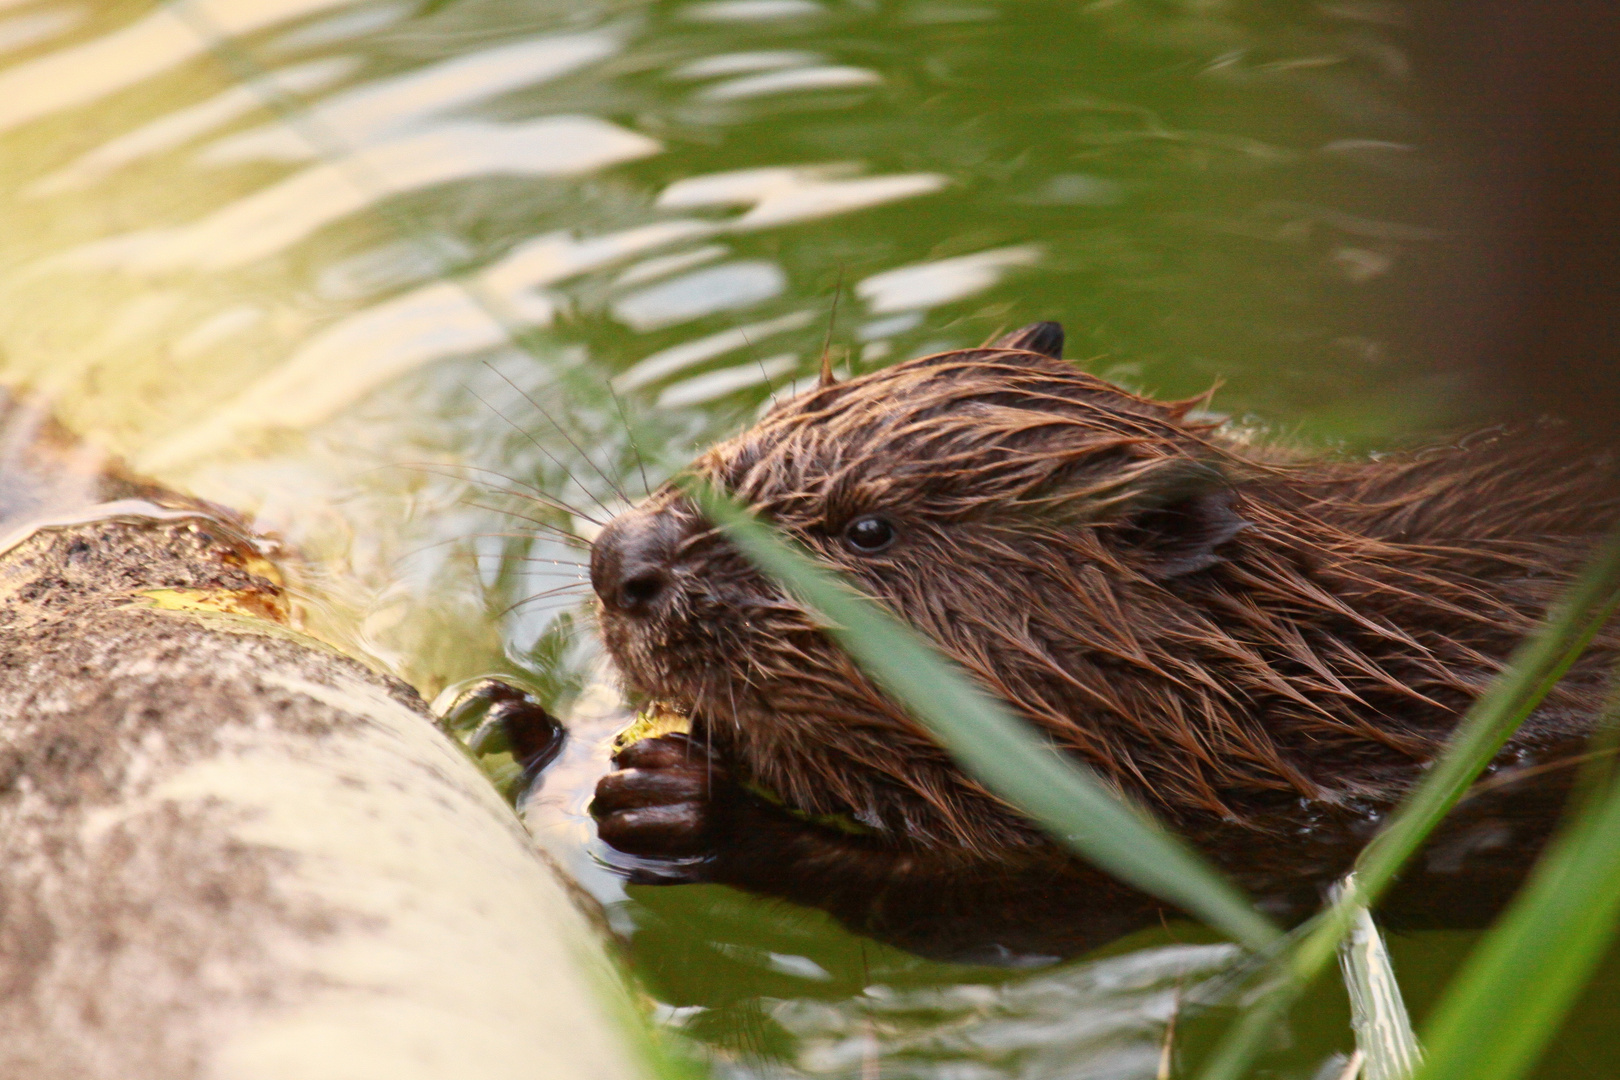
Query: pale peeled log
(227, 851)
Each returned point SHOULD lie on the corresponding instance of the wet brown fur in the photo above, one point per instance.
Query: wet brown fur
(1235, 636)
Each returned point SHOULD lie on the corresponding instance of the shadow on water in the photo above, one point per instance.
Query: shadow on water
(368, 269)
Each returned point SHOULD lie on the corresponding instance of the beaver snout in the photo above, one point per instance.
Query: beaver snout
(631, 561)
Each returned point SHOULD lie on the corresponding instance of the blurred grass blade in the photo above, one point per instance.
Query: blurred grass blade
(1378, 1014)
(1500, 1011)
(1532, 671)
(994, 745)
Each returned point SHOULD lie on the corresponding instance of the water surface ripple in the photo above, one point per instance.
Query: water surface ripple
(368, 269)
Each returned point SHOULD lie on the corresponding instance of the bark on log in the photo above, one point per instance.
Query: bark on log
(228, 851)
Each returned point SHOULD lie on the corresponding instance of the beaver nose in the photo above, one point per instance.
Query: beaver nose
(630, 560)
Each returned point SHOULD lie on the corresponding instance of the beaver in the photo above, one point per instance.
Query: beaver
(1264, 648)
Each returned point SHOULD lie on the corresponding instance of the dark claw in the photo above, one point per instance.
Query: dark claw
(662, 831)
(533, 734)
(657, 803)
(632, 789)
(492, 716)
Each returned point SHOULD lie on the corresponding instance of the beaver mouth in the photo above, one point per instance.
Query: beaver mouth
(668, 679)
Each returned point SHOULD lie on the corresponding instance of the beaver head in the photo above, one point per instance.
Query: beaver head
(1211, 629)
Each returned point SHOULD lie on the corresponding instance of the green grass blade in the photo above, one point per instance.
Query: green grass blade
(1378, 1014)
(994, 745)
(1508, 1000)
(1535, 667)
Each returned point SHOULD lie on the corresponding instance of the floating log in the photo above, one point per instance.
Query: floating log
(229, 851)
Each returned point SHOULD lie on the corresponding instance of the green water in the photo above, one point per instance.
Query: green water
(363, 269)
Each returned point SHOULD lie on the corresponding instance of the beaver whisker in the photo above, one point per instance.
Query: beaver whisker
(537, 407)
(535, 495)
(536, 597)
(630, 436)
(553, 532)
(580, 578)
(524, 490)
(538, 498)
(581, 569)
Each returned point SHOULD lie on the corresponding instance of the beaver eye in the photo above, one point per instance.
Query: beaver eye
(869, 533)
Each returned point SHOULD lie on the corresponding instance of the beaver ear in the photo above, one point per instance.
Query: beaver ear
(1181, 530)
(1045, 338)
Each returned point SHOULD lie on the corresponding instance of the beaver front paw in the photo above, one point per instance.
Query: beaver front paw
(658, 805)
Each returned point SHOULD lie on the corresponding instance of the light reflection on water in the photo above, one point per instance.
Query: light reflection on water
(355, 267)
